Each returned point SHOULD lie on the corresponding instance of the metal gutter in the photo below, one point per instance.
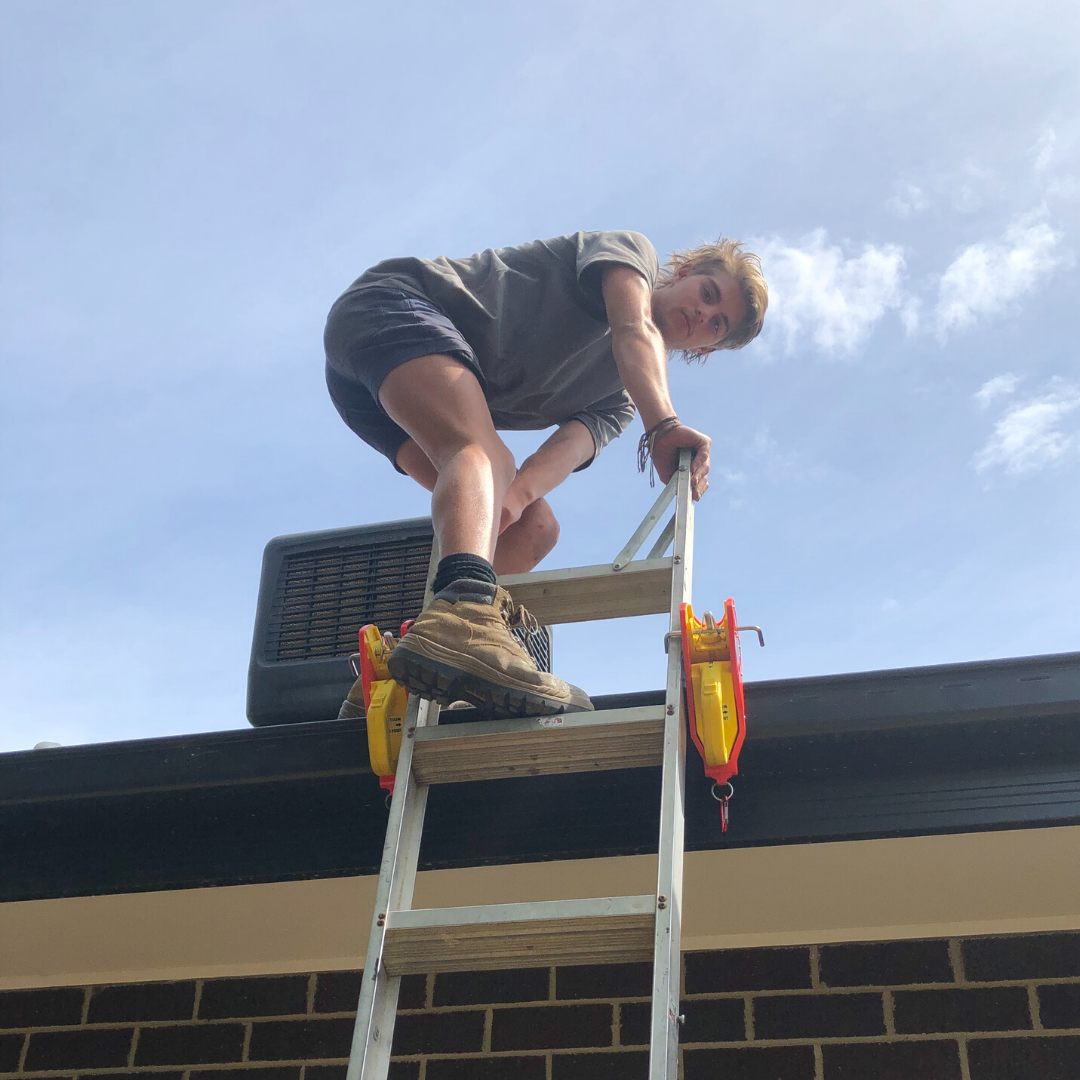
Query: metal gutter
(949, 748)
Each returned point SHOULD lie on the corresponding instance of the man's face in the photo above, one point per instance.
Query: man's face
(697, 311)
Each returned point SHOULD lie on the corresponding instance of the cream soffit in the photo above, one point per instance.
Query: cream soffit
(927, 886)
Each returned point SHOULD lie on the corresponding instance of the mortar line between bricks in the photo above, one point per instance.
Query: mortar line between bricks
(887, 1006)
(429, 991)
(489, 1020)
(310, 996)
(138, 1070)
(1033, 1005)
(956, 960)
(616, 1024)
(112, 1025)
(22, 1052)
(198, 1000)
(501, 1005)
(551, 985)
(922, 1036)
(480, 1055)
(819, 1063)
(719, 995)
(965, 1067)
(876, 987)
(748, 1016)
(839, 991)
(154, 1070)
(88, 993)
(547, 1066)
(247, 1041)
(815, 968)
(422, 1075)
(134, 1046)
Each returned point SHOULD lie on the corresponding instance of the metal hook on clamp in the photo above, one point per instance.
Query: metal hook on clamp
(757, 630)
(723, 801)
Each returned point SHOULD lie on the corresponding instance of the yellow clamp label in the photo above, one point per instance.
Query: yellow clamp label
(385, 720)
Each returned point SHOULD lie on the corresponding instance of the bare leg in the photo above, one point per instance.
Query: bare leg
(439, 402)
(461, 647)
(521, 545)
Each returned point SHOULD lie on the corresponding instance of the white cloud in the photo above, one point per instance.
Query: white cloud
(973, 186)
(1030, 435)
(998, 386)
(1043, 150)
(815, 291)
(732, 476)
(984, 277)
(908, 199)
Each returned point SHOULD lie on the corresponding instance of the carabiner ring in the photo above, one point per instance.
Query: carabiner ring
(722, 798)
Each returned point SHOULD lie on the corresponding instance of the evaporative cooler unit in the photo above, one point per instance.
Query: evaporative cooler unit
(317, 590)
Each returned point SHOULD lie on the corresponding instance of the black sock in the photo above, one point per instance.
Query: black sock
(462, 565)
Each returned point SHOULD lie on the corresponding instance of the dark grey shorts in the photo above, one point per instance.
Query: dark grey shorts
(369, 332)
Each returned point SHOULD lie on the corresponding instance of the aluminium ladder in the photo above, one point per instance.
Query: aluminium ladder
(611, 929)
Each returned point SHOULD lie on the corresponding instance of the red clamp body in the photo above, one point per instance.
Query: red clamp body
(712, 661)
(385, 702)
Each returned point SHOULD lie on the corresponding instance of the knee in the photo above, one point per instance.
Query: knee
(498, 456)
(543, 527)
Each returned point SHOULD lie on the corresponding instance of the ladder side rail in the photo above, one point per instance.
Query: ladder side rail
(376, 1012)
(369, 1058)
(667, 958)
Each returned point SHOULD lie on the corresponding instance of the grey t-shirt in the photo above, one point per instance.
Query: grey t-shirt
(534, 316)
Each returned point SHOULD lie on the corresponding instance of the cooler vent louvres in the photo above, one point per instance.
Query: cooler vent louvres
(324, 597)
(317, 590)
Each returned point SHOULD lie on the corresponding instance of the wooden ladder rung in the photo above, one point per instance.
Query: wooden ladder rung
(606, 930)
(584, 593)
(540, 745)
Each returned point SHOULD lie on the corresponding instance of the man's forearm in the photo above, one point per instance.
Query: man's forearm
(570, 446)
(642, 363)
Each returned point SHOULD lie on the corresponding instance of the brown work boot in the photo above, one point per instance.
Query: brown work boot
(352, 708)
(460, 647)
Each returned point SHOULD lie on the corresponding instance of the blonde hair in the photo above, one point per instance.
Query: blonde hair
(744, 267)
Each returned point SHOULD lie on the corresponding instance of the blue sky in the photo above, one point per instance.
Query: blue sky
(188, 186)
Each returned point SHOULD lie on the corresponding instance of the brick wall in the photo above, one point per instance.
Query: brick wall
(1005, 1008)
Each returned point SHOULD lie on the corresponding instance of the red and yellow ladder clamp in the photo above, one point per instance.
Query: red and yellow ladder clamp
(715, 709)
(712, 678)
(385, 702)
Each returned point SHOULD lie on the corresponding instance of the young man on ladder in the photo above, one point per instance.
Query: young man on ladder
(427, 358)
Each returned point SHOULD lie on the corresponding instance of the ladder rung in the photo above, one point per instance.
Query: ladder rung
(602, 930)
(539, 745)
(583, 593)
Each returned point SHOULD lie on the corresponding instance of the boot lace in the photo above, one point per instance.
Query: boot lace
(522, 625)
(519, 618)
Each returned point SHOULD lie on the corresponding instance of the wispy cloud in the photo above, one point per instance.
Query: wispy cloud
(987, 277)
(834, 300)
(1043, 151)
(907, 199)
(998, 386)
(1031, 435)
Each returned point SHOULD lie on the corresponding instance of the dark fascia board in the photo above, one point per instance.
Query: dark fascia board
(950, 748)
(780, 710)
(1010, 689)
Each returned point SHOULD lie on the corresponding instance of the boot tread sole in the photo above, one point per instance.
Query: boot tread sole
(434, 680)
